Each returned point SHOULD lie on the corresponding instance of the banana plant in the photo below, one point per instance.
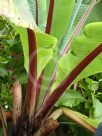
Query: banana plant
(62, 44)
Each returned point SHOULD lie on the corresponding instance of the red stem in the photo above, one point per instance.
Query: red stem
(48, 29)
(32, 90)
(39, 82)
(75, 33)
(32, 78)
(50, 15)
(66, 82)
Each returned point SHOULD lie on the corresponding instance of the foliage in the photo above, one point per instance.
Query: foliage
(84, 94)
(11, 62)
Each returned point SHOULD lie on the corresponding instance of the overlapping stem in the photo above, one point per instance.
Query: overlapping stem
(31, 92)
(32, 77)
(79, 26)
(48, 29)
(75, 33)
(48, 105)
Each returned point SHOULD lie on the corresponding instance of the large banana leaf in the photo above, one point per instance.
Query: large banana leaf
(80, 48)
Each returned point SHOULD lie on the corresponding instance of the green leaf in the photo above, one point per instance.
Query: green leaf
(32, 6)
(70, 98)
(22, 78)
(1, 131)
(76, 15)
(62, 9)
(45, 47)
(3, 72)
(92, 85)
(97, 109)
(3, 60)
(80, 48)
(42, 13)
(61, 17)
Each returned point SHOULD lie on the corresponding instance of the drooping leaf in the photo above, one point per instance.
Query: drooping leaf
(81, 47)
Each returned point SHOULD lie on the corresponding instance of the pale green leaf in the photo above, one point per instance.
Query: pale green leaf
(80, 48)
